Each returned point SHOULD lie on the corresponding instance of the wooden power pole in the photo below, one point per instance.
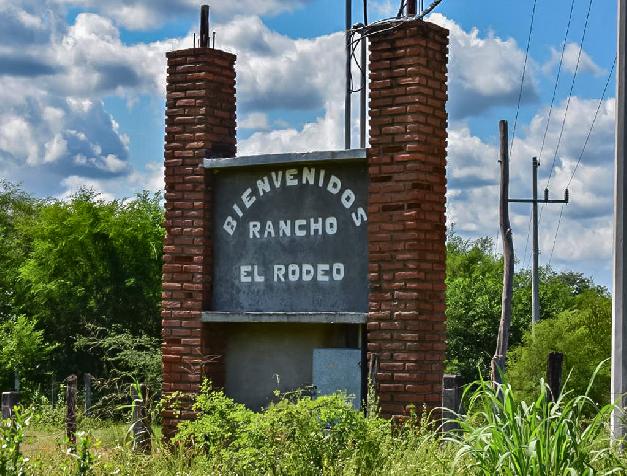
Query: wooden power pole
(619, 326)
(535, 279)
(502, 341)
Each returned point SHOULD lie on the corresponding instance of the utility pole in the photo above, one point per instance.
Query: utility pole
(502, 340)
(535, 280)
(347, 92)
(619, 326)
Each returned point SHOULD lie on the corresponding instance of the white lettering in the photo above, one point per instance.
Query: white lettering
(290, 177)
(259, 278)
(253, 229)
(229, 225)
(321, 178)
(338, 271)
(263, 186)
(322, 269)
(348, 198)
(299, 229)
(269, 230)
(334, 185)
(309, 173)
(244, 273)
(279, 272)
(276, 178)
(330, 226)
(238, 211)
(308, 272)
(293, 272)
(315, 225)
(359, 216)
(247, 199)
(285, 227)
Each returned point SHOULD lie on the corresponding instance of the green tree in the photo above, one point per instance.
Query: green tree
(474, 286)
(15, 206)
(92, 262)
(22, 348)
(583, 334)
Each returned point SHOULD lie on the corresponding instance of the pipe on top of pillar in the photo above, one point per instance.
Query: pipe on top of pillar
(204, 26)
(411, 7)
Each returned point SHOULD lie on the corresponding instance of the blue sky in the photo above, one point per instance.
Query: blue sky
(82, 102)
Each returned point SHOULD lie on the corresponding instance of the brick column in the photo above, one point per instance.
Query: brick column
(200, 122)
(406, 222)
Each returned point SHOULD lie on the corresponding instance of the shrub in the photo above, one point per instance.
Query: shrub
(583, 335)
(306, 436)
(12, 462)
(502, 436)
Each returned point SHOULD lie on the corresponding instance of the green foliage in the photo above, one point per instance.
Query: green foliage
(83, 454)
(22, 347)
(474, 287)
(125, 359)
(15, 207)
(501, 435)
(12, 462)
(83, 262)
(306, 436)
(583, 335)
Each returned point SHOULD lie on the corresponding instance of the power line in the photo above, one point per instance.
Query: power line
(522, 79)
(570, 93)
(375, 28)
(594, 120)
(568, 100)
(583, 150)
(548, 121)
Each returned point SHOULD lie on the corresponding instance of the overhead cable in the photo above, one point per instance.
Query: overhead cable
(583, 150)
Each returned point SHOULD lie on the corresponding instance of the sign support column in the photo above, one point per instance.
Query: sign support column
(619, 327)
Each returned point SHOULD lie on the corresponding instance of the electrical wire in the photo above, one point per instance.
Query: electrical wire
(548, 121)
(522, 78)
(583, 150)
(375, 28)
(570, 93)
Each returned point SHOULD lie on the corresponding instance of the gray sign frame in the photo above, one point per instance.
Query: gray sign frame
(313, 254)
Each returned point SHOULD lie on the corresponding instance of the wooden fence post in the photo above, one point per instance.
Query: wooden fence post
(87, 378)
(9, 401)
(70, 401)
(554, 374)
(451, 401)
(141, 425)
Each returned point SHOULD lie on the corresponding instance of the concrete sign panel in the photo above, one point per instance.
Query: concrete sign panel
(291, 238)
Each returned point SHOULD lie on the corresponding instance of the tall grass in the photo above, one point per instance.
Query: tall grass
(500, 435)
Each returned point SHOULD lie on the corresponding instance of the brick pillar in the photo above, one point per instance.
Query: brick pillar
(200, 122)
(406, 221)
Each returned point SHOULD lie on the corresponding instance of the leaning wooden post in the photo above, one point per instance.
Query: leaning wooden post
(554, 374)
(70, 401)
(141, 425)
(502, 341)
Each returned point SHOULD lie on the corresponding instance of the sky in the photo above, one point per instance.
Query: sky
(82, 95)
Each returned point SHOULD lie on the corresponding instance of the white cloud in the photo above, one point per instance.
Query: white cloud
(484, 71)
(147, 14)
(254, 120)
(571, 53)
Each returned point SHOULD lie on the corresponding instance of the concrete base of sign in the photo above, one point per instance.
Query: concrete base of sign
(262, 358)
(287, 317)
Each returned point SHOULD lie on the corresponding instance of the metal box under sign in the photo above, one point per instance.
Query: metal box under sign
(338, 370)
